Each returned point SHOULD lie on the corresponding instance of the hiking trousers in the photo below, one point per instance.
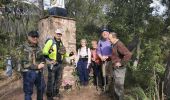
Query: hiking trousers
(118, 80)
(83, 72)
(97, 72)
(31, 78)
(54, 80)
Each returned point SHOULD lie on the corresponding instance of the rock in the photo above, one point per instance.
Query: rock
(68, 78)
(49, 24)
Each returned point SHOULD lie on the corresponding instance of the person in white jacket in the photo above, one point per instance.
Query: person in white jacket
(83, 61)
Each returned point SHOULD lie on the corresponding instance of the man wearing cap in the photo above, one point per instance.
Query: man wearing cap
(54, 52)
(120, 56)
(31, 61)
(104, 50)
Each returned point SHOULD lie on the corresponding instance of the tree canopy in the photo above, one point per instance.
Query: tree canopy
(128, 18)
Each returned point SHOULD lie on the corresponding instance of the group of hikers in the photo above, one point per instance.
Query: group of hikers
(108, 58)
(108, 55)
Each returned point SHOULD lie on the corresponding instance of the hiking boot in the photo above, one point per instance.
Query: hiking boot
(56, 98)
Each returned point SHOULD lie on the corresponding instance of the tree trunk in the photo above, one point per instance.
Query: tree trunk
(156, 86)
(138, 50)
(167, 78)
(162, 91)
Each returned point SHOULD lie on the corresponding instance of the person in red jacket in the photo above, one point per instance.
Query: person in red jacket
(96, 64)
(120, 56)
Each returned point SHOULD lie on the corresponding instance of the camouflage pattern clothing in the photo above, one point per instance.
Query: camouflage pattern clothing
(29, 58)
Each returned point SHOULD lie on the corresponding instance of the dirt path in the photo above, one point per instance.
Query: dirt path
(11, 89)
(85, 93)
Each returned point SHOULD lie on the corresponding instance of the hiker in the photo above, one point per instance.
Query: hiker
(54, 52)
(31, 62)
(104, 51)
(96, 64)
(120, 56)
(83, 61)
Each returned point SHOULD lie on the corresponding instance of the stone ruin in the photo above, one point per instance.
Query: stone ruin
(47, 27)
(49, 24)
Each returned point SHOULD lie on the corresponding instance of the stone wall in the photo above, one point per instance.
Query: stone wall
(49, 24)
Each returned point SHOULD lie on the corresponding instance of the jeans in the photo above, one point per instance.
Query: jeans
(97, 72)
(31, 78)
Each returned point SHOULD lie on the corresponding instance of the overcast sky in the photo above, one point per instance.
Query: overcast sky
(158, 7)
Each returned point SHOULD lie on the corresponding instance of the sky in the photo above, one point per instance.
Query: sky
(159, 9)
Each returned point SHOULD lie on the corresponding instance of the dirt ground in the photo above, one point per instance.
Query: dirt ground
(85, 93)
(11, 89)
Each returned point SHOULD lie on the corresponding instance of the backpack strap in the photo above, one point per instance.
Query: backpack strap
(51, 47)
(61, 43)
(87, 51)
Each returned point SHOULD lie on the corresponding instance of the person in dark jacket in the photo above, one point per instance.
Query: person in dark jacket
(120, 56)
(31, 62)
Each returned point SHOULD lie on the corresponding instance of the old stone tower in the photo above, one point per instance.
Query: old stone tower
(49, 24)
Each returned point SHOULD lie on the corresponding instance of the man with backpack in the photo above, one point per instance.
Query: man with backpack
(54, 52)
(120, 56)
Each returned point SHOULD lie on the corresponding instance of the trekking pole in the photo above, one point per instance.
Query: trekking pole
(97, 83)
(104, 75)
(41, 83)
(97, 78)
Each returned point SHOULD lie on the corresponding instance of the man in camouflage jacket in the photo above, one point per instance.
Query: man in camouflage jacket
(31, 62)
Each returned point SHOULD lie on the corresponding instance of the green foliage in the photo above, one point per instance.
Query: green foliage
(15, 25)
(89, 17)
(128, 18)
(136, 93)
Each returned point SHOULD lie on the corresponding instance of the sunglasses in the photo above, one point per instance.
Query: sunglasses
(59, 34)
(35, 36)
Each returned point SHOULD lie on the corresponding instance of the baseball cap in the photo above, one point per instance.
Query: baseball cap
(105, 29)
(58, 31)
(33, 34)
